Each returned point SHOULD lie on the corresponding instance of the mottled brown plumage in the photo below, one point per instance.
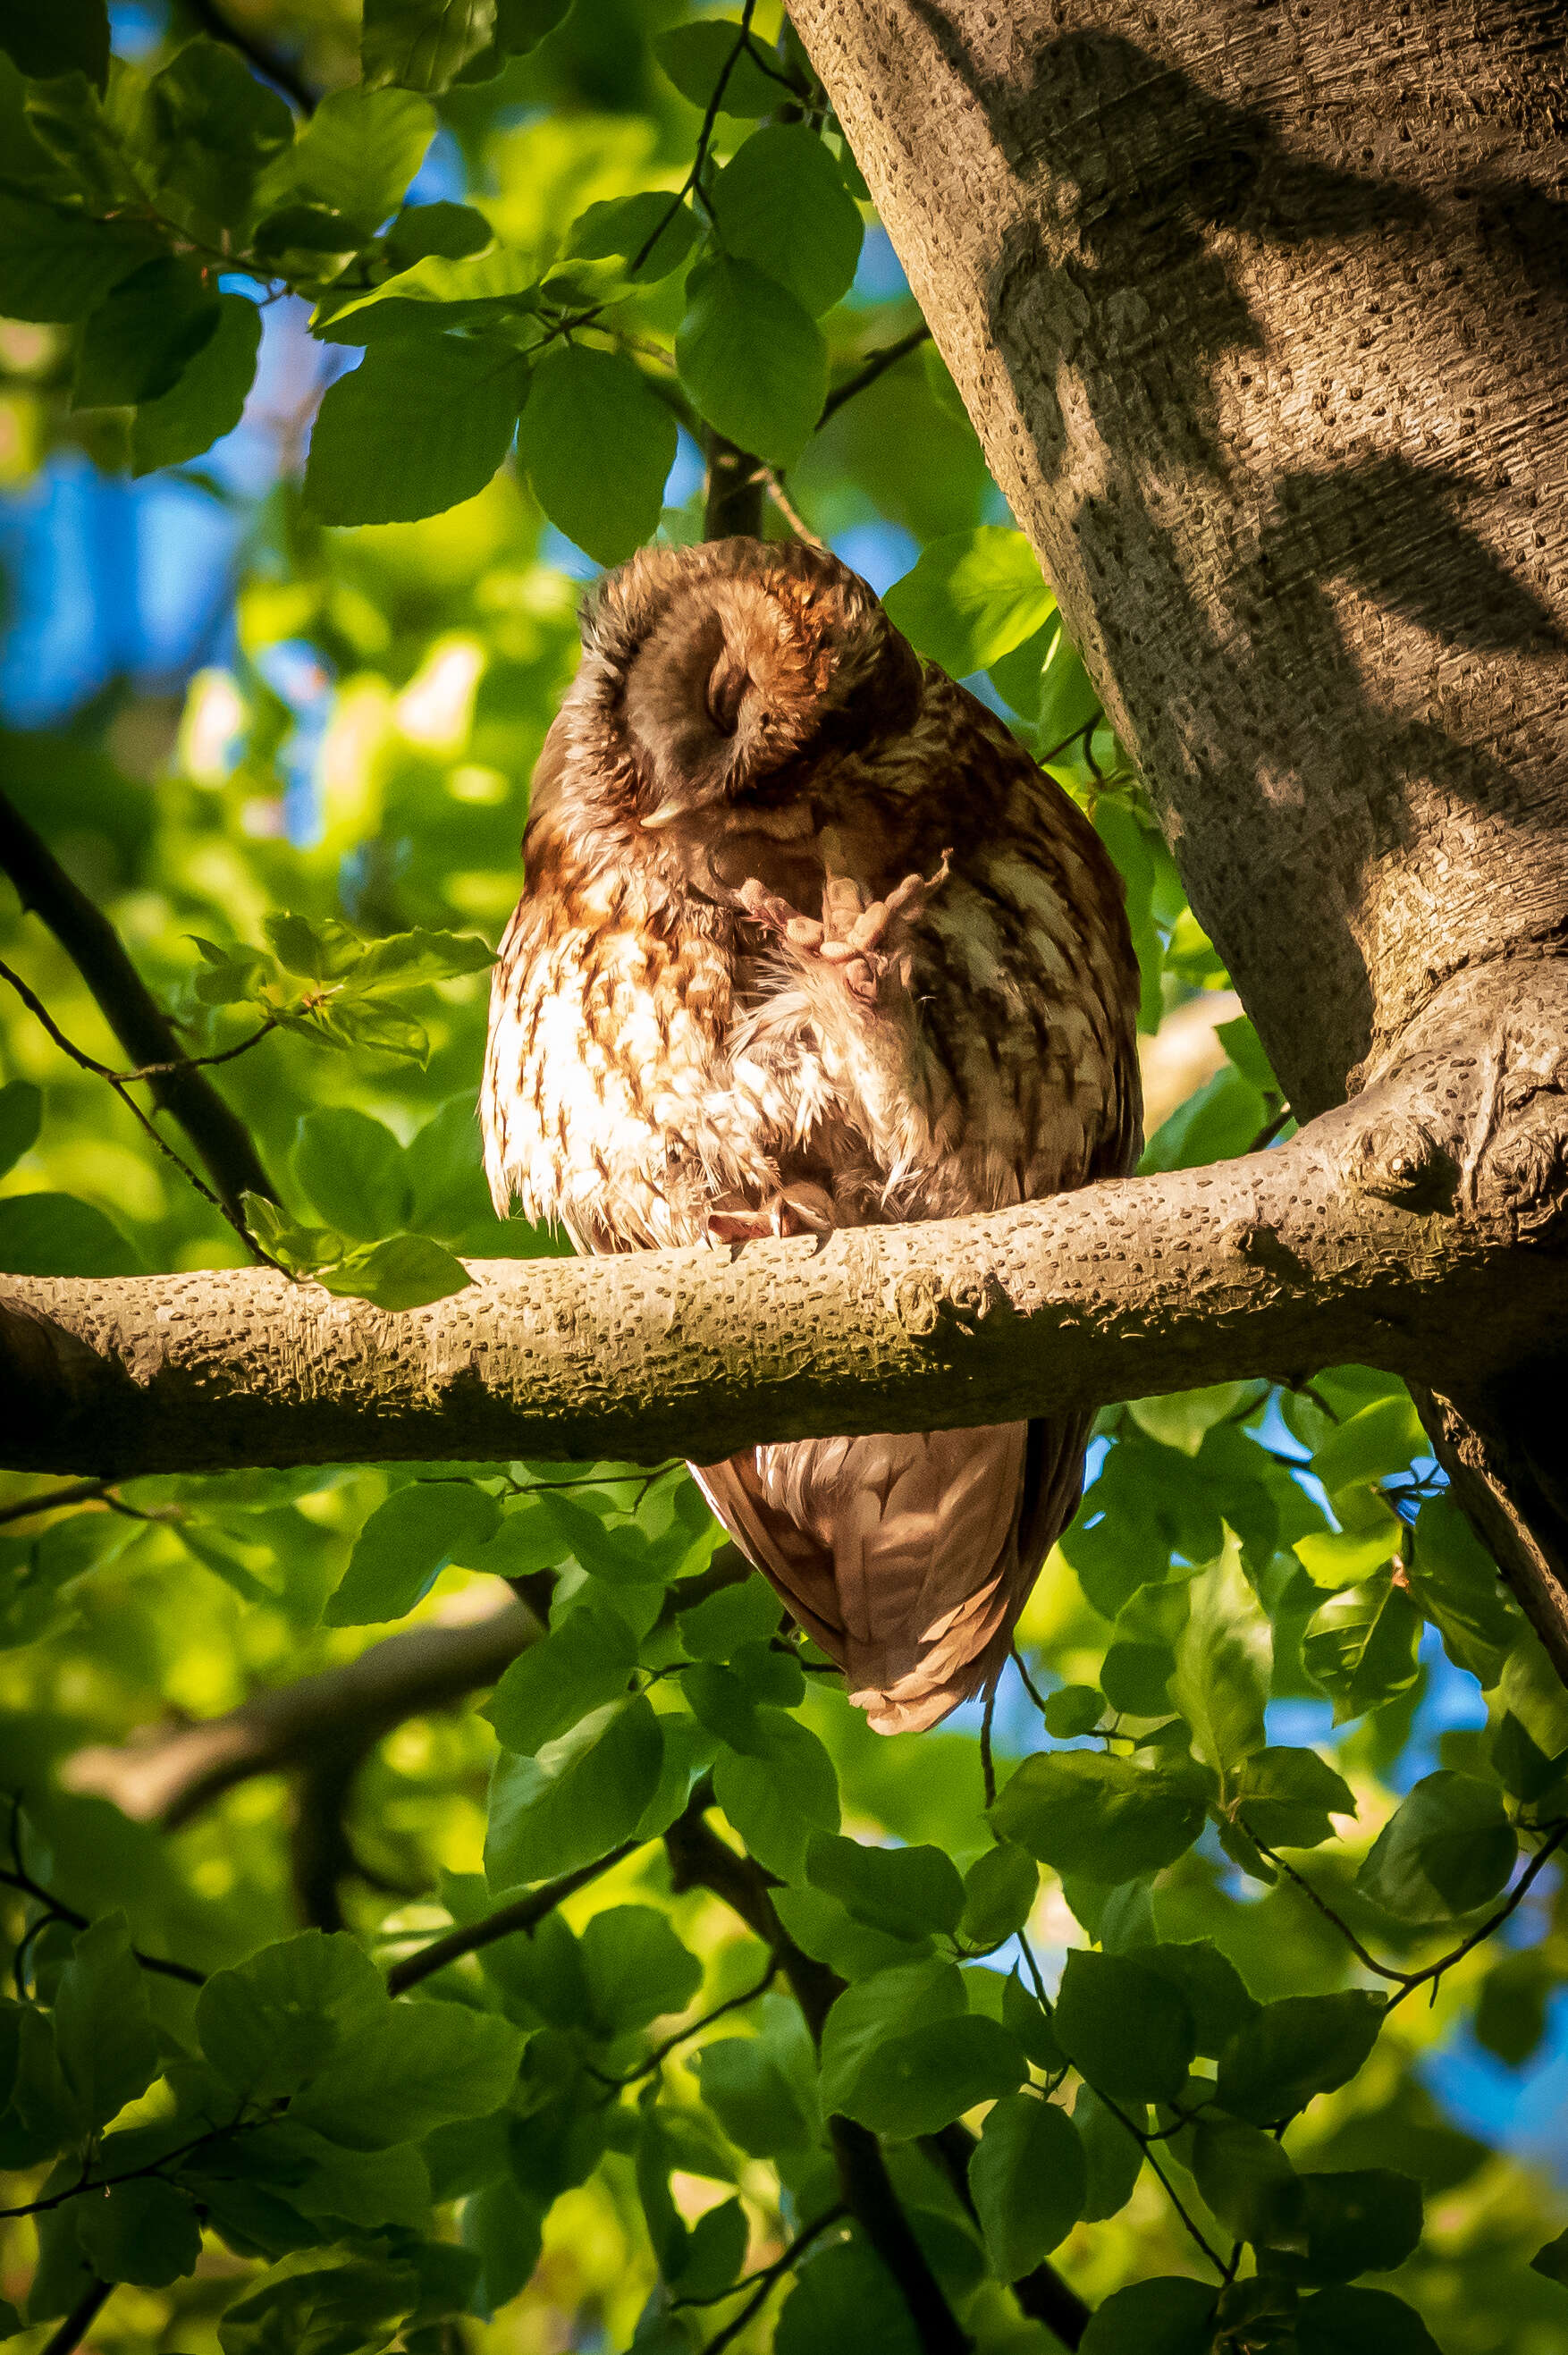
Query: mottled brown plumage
(806, 939)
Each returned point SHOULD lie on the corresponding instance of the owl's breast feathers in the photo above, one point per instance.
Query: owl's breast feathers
(652, 1053)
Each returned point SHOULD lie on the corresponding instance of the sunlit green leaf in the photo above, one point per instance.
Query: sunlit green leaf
(752, 359)
(423, 422)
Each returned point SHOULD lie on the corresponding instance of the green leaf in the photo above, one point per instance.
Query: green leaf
(1126, 2030)
(522, 25)
(1107, 1818)
(21, 1117)
(1446, 1849)
(422, 44)
(445, 228)
(1000, 1891)
(1184, 1419)
(1535, 1699)
(422, 424)
(1114, 2157)
(145, 2232)
(208, 398)
(598, 445)
(636, 1969)
(1029, 2179)
(900, 2054)
(54, 1234)
(406, 1544)
(143, 334)
(1361, 1646)
(1360, 2322)
(353, 1171)
(904, 1891)
(104, 2030)
(1284, 1797)
(1362, 2221)
(1367, 1446)
(505, 2229)
(1247, 2182)
(779, 1796)
(1073, 1710)
(745, 1612)
(1216, 1994)
(272, 2023)
(211, 127)
(312, 2304)
(583, 1664)
(1553, 2260)
(576, 1798)
(1455, 1584)
(66, 36)
(830, 1933)
(1222, 1664)
(356, 155)
(782, 204)
(971, 597)
(403, 1272)
(752, 2099)
(1166, 2317)
(431, 294)
(842, 2300)
(408, 2070)
(695, 57)
(1297, 2048)
(620, 229)
(1337, 1558)
(752, 359)
(1511, 2010)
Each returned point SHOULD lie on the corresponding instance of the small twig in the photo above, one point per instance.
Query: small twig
(75, 1492)
(524, 1915)
(1029, 1684)
(1141, 2135)
(786, 508)
(1408, 1981)
(1087, 729)
(86, 1062)
(661, 2052)
(692, 183)
(987, 1765)
(1271, 1129)
(876, 365)
(19, 1878)
(770, 2273)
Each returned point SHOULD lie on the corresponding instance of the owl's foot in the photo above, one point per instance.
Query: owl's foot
(801, 1210)
(857, 940)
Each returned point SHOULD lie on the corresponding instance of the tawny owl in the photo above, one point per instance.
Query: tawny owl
(807, 940)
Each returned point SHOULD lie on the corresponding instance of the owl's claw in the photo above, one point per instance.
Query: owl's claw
(854, 939)
(798, 1210)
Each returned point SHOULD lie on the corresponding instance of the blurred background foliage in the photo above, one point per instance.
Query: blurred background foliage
(217, 707)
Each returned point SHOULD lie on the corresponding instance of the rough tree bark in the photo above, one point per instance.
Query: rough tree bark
(1263, 315)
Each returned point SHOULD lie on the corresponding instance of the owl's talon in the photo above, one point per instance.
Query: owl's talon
(854, 941)
(798, 1210)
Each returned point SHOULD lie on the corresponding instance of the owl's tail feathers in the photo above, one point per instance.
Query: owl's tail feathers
(906, 1557)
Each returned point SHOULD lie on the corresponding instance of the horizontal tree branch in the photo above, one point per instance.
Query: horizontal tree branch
(169, 1774)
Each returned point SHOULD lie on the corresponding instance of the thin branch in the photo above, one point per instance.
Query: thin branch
(1029, 1684)
(86, 1062)
(1044, 2296)
(776, 490)
(524, 1915)
(1146, 2141)
(987, 1765)
(876, 365)
(268, 62)
(661, 2052)
(768, 2273)
(54, 1909)
(1408, 1981)
(94, 947)
(692, 185)
(55, 1500)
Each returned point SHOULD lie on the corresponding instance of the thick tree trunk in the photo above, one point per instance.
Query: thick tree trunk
(1262, 314)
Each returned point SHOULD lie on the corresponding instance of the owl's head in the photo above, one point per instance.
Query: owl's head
(713, 676)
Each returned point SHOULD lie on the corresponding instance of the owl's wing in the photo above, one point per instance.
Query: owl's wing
(906, 1557)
